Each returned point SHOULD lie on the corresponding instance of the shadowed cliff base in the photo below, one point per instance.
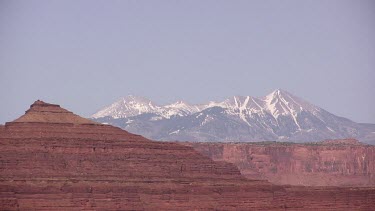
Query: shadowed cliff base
(51, 159)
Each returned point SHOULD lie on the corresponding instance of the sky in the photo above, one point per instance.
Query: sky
(84, 55)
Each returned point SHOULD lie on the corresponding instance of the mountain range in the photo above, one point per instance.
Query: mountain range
(278, 116)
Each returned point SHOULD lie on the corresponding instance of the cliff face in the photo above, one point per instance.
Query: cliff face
(55, 160)
(331, 163)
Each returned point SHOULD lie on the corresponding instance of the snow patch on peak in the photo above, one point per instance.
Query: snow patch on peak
(281, 102)
(178, 104)
(179, 108)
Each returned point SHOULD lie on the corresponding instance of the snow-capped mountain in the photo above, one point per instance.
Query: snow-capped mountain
(127, 107)
(130, 106)
(277, 116)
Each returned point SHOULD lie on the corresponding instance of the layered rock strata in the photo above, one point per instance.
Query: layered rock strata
(329, 163)
(51, 159)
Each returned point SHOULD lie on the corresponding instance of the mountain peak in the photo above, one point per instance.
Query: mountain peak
(127, 106)
(135, 98)
(178, 102)
(277, 93)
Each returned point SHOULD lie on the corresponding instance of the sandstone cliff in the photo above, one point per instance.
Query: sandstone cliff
(330, 163)
(51, 159)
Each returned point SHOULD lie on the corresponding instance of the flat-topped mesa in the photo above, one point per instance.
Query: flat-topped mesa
(40, 103)
(345, 162)
(350, 141)
(41, 112)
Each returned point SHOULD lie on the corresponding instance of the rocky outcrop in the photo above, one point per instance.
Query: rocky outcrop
(329, 163)
(55, 160)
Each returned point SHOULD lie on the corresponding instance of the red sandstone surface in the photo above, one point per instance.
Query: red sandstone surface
(329, 163)
(51, 159)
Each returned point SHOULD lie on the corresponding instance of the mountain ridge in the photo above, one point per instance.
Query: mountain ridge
(279, 115)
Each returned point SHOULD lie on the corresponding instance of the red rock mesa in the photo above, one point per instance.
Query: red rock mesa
(329, 163)
(52, 159)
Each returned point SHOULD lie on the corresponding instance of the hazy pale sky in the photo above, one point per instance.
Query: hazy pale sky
(84, 55)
